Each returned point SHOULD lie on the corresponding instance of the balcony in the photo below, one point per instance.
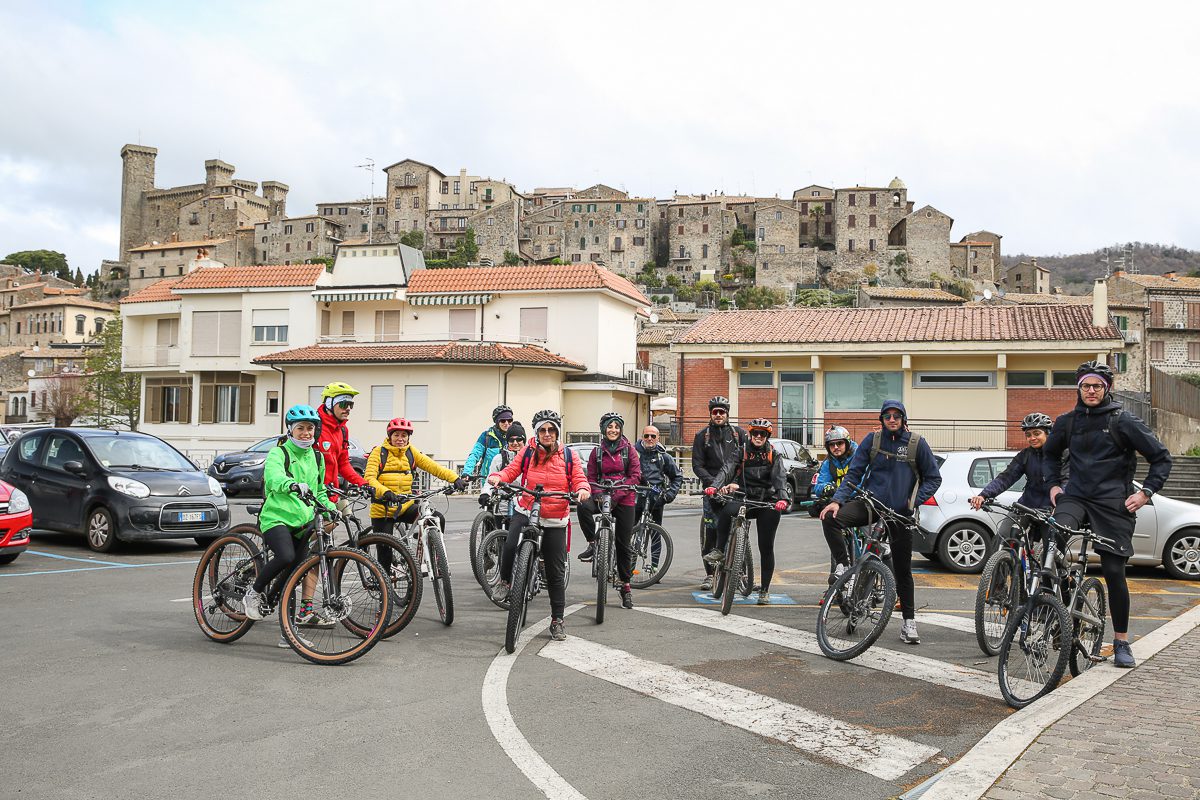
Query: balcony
(153, 356)
(644, 376)
(687, 256)
(1131, 337)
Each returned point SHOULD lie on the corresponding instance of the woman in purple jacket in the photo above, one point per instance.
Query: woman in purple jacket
(615, 460)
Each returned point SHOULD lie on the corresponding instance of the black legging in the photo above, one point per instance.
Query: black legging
(856, 513)
(1113, 567)
(286, 554)
(623, 515)
(386, 525)
(554, 555)
(768, 523)
(836, 539)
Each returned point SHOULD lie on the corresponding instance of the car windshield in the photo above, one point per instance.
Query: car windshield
(137, 452)
(264, 446)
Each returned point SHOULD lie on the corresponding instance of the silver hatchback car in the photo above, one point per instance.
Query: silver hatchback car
(1167, 531)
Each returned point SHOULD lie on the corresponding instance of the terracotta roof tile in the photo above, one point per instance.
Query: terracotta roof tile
(159, 290)
(1043, 299)
(661, 335)
(68, 300)
(908, 293)
(449, 352)
(1159, 282)
(176, 245)
(263, 275)
(884, 325)
(516, 279)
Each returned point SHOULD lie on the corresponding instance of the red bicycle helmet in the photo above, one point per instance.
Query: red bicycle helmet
(399, 424)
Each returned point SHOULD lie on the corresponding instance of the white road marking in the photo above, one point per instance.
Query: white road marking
(883, 755)
(907, 665)
(504, 727)
(982, 765)
(964, 624)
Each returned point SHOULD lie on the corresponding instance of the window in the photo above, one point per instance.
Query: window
(680, 230)
(778, 216)
(1193, 314)
(853, 199)
(1018, 379)
(29, 446)
(416, 202)
(577, 207)
(591, 207)
(617, 243)
(871, 245)
(309, 227)
(704, 212)
(287, 229)
(681, 213)
(850, 221)
(80, 320)
(804, 229)
(387, 326)
(462, 323)
(828, 228)
(639, 223)
(347, 323)
(871, 221)
(704, 228)
(756, 379)
(639, 241)
(621, 223)
(226, 397)
(1156, 313)
(416, 402)
(383, 401)
(704, 251)
(168, 400)
(871, 202)
(828, 207)
(762, 233)
(1118, 362)
(860, 391)
(1193, 352)
(954, 380)
(1064, 379)
(850, 245)
(804, 209)
(618, 208)
(534, 324)
(980, 474)
(216, 333)
(782, 249)
(1157, 351)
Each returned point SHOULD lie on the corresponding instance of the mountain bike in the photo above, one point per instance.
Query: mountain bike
(1046, 633)
(1007, 580)
(527, 580)
(494, 517)
(734, 574)
(491, 551)
(865, 594)
(348, 591)
(651, 544)
(604, 562)
(423, 538)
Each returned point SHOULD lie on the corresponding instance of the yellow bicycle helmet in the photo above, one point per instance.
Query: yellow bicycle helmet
(338, 388)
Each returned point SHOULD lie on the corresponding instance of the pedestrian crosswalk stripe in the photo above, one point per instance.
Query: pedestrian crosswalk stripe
(882, 755)
(908, 665)
(964, 624)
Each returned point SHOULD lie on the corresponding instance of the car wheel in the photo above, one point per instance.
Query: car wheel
(101, 530)
(205, 541)
(963, 547)
(789, 494)
(8, 558)
(1181, 556)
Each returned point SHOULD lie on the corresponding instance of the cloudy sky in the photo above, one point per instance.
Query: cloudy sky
(1063, 126)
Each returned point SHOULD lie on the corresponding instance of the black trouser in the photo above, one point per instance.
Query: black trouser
(386, 525)
(287, 552)
(836, 539)
(623, 517)
(554, 554)
(768, 523)
(710, 531)
(656, 509)
(1108, 518)
(856, 513)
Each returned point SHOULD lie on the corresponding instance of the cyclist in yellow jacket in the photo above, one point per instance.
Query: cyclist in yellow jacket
(390, 469)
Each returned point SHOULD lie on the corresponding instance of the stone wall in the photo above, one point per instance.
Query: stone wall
(544, 233)
(496, 230)
(137, 178)
(973, 261)
(927, 233)
(1177, 432)
(697, 234)
(412, 190)
(615, 232)
(293, 240)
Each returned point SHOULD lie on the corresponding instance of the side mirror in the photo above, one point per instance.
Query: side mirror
(75, 467)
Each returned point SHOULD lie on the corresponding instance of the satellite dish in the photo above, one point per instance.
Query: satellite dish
(653, 318)
(987, 294)
(1000, 293)
(32, 373)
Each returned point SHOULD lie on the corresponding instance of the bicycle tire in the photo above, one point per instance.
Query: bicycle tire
(870, 594)
(647, 570)
(483, 524)
(1038, 643)
(746, 580)
(439, 576)
(603, 570)
(737, 560)
(223, 618)
(491, 551)
(995, 599)
(522, 574)
(403, 579)
(1087, 637)
(251, 531)
(340, 643)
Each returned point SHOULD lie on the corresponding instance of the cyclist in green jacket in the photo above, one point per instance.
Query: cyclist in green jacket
(293, 471)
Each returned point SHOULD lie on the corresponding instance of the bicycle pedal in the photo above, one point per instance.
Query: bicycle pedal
(1097, 659)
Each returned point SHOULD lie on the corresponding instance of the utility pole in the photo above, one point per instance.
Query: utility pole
(369, 166)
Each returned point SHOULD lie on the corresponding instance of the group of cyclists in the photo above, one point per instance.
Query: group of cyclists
(1097, 439)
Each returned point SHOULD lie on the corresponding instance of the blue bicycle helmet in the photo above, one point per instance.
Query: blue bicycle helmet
(302, 413)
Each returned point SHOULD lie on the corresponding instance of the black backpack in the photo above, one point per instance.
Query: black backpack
(910, 458)
(383, 456)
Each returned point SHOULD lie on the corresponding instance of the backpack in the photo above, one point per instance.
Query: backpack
(598, 456)
(383, 455)
(287, 460)
(527, 456)
(737, 435)
(910, 458)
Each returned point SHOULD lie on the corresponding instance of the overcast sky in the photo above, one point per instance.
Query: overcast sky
(1063, 126)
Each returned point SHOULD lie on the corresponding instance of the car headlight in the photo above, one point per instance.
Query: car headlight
(17, 502)
(254, 462)
(129, 486)
(214, 487)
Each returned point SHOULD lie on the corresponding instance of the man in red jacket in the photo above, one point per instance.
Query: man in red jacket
(333, 440)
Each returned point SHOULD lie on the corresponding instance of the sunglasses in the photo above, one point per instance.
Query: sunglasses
(1092, 387)
(548, 429)
(761, 434)
(516, 440)
(718, 412)
(838, 443)
(346, 404)
(505, 422)
(649, 435)
(891, 415)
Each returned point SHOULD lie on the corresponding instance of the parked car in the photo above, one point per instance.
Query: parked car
(1167, 531)
(801, 466)
(114, 486)
(16, 522)
(242, 470)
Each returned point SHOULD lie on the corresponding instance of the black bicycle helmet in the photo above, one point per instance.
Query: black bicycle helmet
(1094, 368)
(611, 416)
(1036, 420)
(718, 402)
(546, 415)
(498, 410)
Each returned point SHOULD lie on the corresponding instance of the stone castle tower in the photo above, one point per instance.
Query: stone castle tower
(137, 178)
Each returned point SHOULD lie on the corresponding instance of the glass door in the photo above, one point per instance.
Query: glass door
(796, 406)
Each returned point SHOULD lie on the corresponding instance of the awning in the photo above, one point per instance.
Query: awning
(353, 295)
(449, 299)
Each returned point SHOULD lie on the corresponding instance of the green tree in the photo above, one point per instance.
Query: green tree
(673, 281)
(648, 279)
(466, 251)
(821, 298)
(511, 259)
(759, 297)
(557, 262)
(326, 260)
(414, 238)
(685, 293)
(78, 279)
(111, 392)
(50, 262)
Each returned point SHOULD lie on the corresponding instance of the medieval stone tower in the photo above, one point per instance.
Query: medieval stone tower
(137, 178)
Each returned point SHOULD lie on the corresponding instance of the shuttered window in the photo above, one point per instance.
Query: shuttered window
(462, 323)
(347, 323)
(387, 326)
(168, 400)
(226, 397)
(383, 401)
(1193, 315)
(216, 333)
(533, 324)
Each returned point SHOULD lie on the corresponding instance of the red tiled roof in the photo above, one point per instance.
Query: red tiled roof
(446, 352)
(65, 300)
(1159, 282)
(177, 245)
(908, 293)
(263, 275)
(517, 279)
(159, 290)
(893, 325)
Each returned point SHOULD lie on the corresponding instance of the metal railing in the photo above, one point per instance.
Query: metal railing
(649, 376)
(152, 356)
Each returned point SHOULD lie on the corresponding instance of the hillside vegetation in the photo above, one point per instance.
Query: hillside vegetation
(1076, 273)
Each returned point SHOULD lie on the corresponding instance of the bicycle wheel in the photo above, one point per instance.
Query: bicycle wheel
(518, 604)
(485, 523)
(995, 599)
(402, 576)
(250, 531)
(869, 592)
(1033, 654)
(355, 604)
(491, 550)
(734, 569)
(746, 582)
(652, 554)
(1088, 620)
(443, 592)
(603, 567)
(225, 571)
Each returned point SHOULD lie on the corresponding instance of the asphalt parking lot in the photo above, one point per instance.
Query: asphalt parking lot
(112, 691)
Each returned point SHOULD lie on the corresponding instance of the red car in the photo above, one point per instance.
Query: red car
(16, 522)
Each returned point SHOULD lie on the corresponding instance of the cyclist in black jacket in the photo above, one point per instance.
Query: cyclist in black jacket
(1030, 462)
(712, 447)
(1104, 440)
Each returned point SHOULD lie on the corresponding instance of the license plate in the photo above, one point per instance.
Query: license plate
(191, 516)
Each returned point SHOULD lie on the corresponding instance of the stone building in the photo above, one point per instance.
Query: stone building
(924, 237)
(544, 196)
(903, 296)
(153, 262)
(977, 256)
(363, 218)
(867, 220)
(294, 240)
(698, 231)
(413, 188)
(815, 204)
(542, 233)
(782, 259)
(1172, 327)
(54, 318)
(1027, 277)
(606, 226)
(497, 231)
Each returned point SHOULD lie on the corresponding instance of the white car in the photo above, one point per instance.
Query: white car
(1167, 531)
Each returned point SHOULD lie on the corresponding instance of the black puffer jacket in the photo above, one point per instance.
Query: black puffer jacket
(1100, 468)
(1030, 462)
(712, 447)
(757, 470)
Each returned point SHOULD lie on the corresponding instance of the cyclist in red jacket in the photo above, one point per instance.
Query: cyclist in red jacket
(333, 439)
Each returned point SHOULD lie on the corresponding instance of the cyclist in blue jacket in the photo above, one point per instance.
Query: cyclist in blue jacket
(490, 443)
(841, 449)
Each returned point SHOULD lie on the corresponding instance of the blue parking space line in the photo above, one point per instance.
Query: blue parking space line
(706, 599)
(73, 558)
(105, 565)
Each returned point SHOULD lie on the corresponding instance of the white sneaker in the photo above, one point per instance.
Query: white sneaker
(908, 632)
(706, 584)
(284, 644)
(838, 572)
(253, 602)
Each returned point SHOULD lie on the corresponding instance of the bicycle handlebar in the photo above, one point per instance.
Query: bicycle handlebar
(401, 499)
(741, 498)
(608, 486)
(1047, 517)
(536, 493)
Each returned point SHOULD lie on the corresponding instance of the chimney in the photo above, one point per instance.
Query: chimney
(1170, 275)
(1100, 304)
(1118, 273)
